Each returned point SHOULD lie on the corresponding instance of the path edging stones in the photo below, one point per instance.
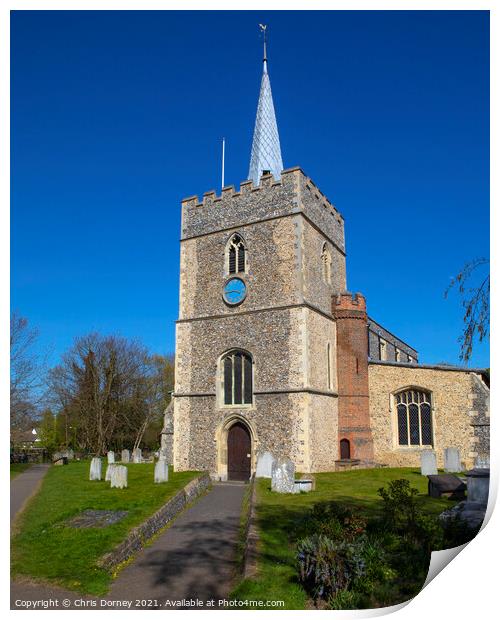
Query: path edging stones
(141, 534)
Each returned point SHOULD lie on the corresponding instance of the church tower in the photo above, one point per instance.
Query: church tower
(256, 337)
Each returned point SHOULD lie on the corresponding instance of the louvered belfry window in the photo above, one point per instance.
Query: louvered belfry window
(326, 262)
(414, 418)
(236, 255)
(237, 377)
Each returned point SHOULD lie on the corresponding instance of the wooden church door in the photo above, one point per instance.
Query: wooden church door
(239, 447)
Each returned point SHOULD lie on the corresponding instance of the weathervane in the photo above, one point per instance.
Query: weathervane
(263, 28)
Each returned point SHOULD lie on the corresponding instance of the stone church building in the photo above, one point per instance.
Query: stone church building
(272, 352)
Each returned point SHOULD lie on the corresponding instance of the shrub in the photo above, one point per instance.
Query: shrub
(346, 599)
(327, 566)
(403, 516)
(335, 521)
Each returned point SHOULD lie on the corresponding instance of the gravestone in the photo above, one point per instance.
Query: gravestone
(482, 462)
(119, 477)
(109, 469)
(95, 468)
(111, 457)
(304, 485)
(283, 476)
(478, 485)
(452, 460)
(264, 465)
(137, 455)
(161, 471)
(428, 465)
(125, 456)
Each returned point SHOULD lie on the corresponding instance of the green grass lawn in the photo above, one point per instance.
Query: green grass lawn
(44, 547)
(18, 468)
(280, 517)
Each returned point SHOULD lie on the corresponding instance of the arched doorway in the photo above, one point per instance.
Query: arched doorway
(239, 451)
(345, 449)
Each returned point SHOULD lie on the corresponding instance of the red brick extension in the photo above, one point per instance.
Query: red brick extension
(349, 312)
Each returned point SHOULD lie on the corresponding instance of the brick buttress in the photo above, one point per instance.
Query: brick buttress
(355, 435)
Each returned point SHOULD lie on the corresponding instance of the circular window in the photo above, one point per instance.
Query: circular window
(235, 291)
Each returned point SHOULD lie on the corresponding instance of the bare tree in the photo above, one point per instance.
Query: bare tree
(26, 373)
(157, 383)
(108, 390)
(474, 286)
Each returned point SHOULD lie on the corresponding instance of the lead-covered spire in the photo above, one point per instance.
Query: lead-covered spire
(266, 151)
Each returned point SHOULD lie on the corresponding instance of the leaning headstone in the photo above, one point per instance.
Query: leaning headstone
(452, 460)
(161, 471)
(119, 477)
(428, 465)
(95, 468)
(283, 476)
(125, 456)
(111, 457)
(109, 469)
(264, 465)
(137, 455)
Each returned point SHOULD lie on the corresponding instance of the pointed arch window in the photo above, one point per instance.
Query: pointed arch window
(414, 413)
(326, 264)
(237, 378)
(236, 255)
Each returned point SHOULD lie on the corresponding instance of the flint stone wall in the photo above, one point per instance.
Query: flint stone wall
(455, 406)
(138, 537)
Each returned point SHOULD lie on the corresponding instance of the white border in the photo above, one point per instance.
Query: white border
(468, 586)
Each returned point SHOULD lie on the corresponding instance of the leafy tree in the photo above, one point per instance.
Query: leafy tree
(473, 285)
(50, 432)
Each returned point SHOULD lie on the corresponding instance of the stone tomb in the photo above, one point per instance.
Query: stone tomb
(161, 471)
(119, 475)
(446, 484)
(264, 465)
(111, 457)
(452, 462)
(283, 476)
(125, 456)
(478, 485)
(428, 463)
(137, 455)
(95, 468)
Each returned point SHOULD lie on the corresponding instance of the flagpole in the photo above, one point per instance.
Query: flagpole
(223, 152)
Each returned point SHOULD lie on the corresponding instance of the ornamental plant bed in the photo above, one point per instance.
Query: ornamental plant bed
(284, 520)
(45, 547)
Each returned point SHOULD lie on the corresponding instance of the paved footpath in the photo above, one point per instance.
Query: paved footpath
(24, 486)
(193, 559)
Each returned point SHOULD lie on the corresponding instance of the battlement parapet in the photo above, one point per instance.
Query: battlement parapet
(293, 193)
(349, 301)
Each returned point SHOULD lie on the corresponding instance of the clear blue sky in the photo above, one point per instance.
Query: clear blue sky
(116, 116)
